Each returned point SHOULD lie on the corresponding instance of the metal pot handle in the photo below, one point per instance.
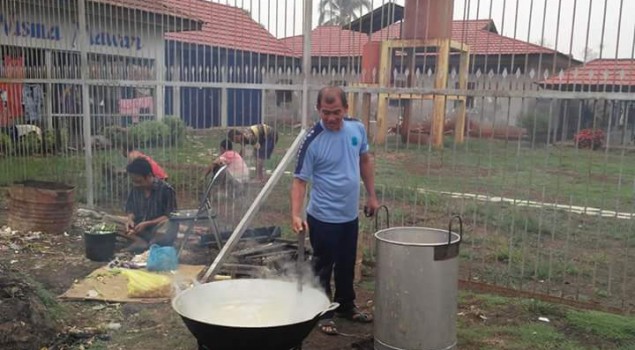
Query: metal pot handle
(331, 307)
(449, 251)
(377, 217)
(450, 228)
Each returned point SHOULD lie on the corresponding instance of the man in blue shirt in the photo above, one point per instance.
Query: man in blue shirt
(333, 156)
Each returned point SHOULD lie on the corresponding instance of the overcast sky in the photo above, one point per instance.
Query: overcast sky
(553, 20)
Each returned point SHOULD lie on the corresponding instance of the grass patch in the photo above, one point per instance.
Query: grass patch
(504, 169)
(54, 309)
(504, 243)
(512, 323)
(490, 167)
(540, 308)
(472, 335)
(615, 328)
(538, 336)
(491, 300)
(98, 345)
(526, 336)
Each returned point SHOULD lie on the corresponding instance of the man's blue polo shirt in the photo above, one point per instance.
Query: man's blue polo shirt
(330, 161)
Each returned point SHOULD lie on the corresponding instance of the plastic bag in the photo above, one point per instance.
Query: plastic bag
(142, 284)
(162, 259)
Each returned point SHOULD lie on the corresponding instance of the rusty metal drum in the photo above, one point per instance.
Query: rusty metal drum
(41, 206)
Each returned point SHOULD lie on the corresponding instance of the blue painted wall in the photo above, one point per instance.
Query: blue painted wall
(244, 107)
(201, 108)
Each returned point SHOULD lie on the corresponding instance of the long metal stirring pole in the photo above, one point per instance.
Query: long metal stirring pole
(301, 244)
(300, 262)
(255, 206)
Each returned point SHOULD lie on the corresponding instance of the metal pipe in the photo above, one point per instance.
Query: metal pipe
(415, 91)
(255, 206)
(84, 73)
(306, 60)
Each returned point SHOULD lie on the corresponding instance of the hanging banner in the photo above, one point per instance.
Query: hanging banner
(11, 93)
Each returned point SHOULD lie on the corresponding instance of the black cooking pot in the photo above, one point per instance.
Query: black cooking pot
(251, 314)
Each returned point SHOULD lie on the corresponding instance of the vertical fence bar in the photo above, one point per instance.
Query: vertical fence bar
(88, 148)
(306, 60)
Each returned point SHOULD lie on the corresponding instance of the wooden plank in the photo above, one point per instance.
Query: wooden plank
(407, 113)
(398, 96)
(464, 67)
(382, 114)
(418, 43)
(385, 65)
(366, 99)
(414, 43)
(441, 82)
(459, 131)
(363, 85)
(459, 46)
(352, 104)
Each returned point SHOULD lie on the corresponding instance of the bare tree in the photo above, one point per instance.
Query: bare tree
(341, 12)
(589, 53)
(543, 42)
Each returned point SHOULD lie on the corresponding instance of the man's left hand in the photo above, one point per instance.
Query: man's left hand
(372, 204)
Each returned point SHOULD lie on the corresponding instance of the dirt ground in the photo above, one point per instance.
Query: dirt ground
(40, 267)
(35, 268)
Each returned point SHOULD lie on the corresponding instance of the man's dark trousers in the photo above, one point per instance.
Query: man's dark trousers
(335, 250)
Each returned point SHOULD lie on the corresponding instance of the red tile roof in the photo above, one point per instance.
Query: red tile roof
(163, 7)
(486, 41)
(226, 26)
(607, 72)
(480, 35)
(156, 6)
(330, 41)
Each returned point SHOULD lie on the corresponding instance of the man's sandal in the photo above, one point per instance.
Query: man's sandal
(327, 327)
(356, 315)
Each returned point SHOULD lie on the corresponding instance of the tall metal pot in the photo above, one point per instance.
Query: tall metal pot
(416, 288)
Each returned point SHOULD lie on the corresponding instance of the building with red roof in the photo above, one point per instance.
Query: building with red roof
(195, 41)
(227, 27)
(599, 75)
(230, 47)
(334, 46)
(169, 15)
(612, 75)
(40, 40)
(490, 53)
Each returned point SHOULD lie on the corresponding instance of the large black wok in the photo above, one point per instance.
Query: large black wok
(251, 314)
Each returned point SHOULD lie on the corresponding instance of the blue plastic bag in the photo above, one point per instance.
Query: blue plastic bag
(162, 259)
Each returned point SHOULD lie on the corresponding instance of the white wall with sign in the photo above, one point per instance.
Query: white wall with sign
(38, 27)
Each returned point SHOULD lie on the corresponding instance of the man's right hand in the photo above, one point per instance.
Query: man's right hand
(298, 224)
(130, 227)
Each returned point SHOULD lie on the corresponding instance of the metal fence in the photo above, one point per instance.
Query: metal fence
(517, 115)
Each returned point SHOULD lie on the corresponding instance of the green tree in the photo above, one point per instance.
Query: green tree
(341, 12)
